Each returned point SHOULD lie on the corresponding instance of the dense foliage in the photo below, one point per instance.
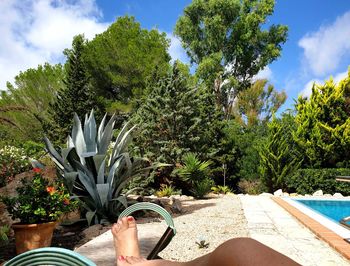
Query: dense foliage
(307, 181)
(323, 125)
(257, 103)
(26, 102)
(77, 96)
(227, 41)
(277, 160)
(13, 161)
(121, 59)
(170, 119)
(39, 201)
(216, 110)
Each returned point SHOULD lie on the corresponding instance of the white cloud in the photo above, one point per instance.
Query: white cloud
(324, 49)
(340, 76)
(175, 50)
(306, 92)
(37, 31)
(266, 73)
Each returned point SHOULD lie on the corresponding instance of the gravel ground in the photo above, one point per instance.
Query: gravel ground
(216, 219)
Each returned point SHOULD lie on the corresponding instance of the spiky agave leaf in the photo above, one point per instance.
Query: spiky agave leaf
(97, 184)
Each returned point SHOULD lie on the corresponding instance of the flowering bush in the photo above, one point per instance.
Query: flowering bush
(12, 161)
(38, 201)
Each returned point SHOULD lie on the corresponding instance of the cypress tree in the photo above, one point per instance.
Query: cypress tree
(77, 95)
(323, 131)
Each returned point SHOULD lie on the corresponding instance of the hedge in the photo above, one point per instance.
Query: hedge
(307, 181)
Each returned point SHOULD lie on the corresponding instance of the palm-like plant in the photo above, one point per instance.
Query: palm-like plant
(195, 173)
(193, 169)
(92, 175)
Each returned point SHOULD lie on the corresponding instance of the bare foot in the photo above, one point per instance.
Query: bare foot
(129, 260)
(125, 238)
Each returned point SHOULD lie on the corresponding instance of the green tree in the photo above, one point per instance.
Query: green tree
(170, 123)
(32, 93)
(278, 155)
(257, 103)
(122, 58)
(323, 125)
(225, 38)
(77, 96)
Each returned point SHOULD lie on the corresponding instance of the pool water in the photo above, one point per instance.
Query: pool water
(333, 209)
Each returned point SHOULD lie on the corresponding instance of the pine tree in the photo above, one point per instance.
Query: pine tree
(77, 96)
(169, 120)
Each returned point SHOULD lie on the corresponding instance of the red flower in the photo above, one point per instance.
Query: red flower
(36, 170)
(51, 190)
(66, 201)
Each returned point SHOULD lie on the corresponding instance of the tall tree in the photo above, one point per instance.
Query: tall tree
(121, 58)
(225, 38)
(323, 125)
(32, 91)
(257, 103)
(169, 120)
(278, 156)
(77, 96)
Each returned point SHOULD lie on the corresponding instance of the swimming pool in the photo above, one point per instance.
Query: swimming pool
(333, 209)
(330, 222)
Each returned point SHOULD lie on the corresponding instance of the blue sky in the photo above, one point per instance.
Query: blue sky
(37, 31)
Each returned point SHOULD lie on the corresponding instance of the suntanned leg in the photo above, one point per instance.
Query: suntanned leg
(125, 237)
(247, 251)
(234, 252)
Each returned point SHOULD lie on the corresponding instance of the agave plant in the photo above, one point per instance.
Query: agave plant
(93, 174)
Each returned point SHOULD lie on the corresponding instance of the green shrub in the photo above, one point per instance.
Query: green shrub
(4, 233)
(201, 188)
(251, 187)
(13, 161)
(194, 172)
(33, 149)
(166, 191)
(39, 201)
(307, 181)
(221, 190)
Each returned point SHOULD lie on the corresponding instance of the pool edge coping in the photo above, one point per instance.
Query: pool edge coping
(334, 240)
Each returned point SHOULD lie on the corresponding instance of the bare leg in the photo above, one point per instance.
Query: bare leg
(247, 251)
(234, 252)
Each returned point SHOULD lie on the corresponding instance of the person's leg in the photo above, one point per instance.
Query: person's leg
(127, 246)
(125, 237)
(247, 251)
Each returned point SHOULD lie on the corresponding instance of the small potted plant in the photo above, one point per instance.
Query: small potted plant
(38, 207)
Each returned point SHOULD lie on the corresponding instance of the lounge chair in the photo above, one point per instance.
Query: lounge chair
(50, 256)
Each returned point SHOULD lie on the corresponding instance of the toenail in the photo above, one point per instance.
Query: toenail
(121, 258)
(130, 218)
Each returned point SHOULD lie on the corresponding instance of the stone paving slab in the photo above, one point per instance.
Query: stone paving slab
(272, 225)
(101, 249)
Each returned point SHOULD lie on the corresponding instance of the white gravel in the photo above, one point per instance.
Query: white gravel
(216, 220)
